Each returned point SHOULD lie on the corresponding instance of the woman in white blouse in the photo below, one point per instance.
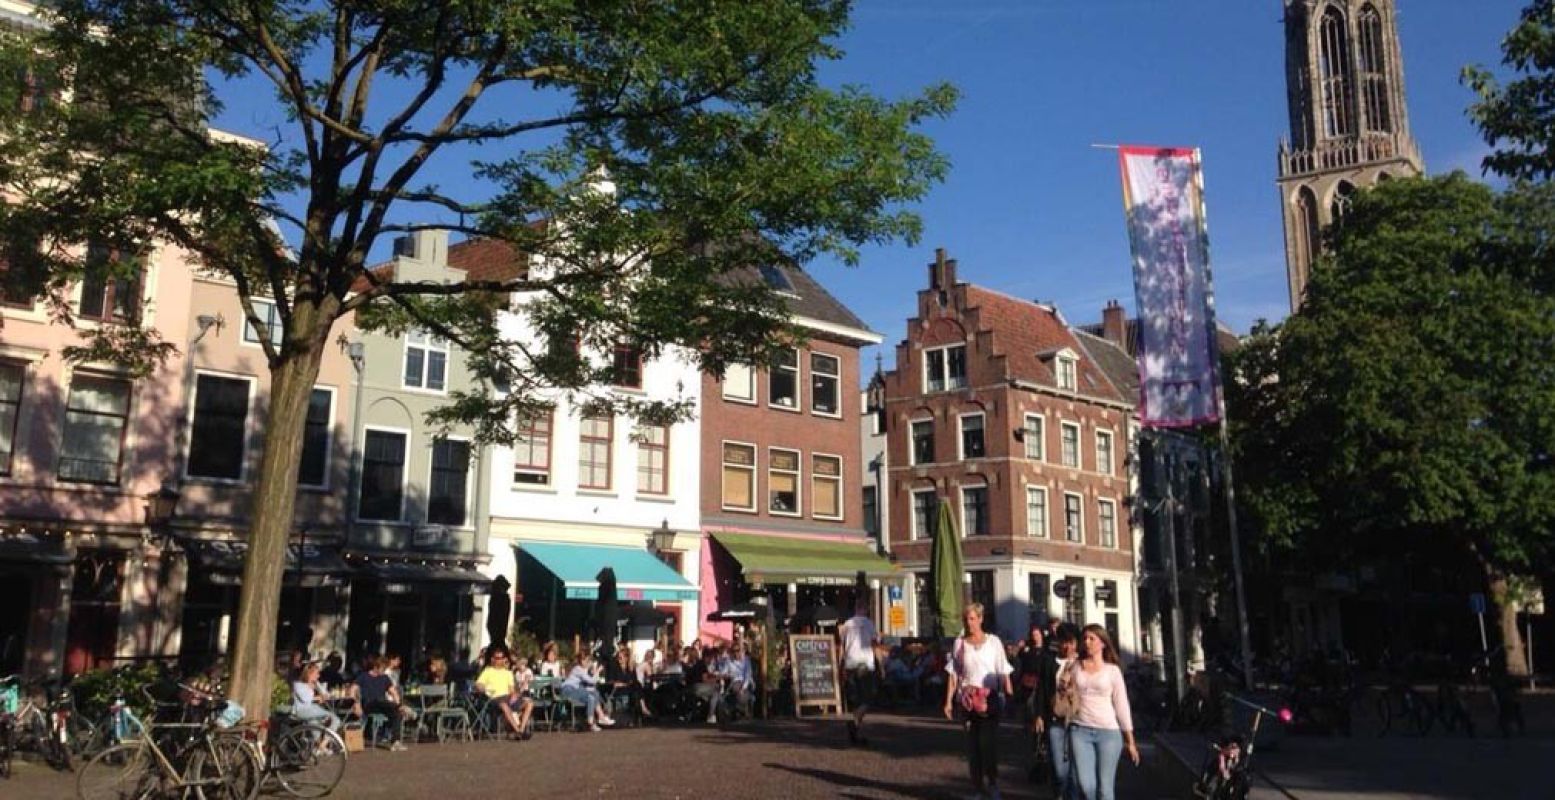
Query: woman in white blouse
(978, 662)
(1104, 726)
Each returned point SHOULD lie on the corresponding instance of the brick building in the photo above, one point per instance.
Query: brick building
(781, 450)
(998, 407)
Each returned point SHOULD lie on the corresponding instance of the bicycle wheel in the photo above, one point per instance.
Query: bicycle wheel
(309, 761)
(53, 750)
(122, 772)
(6, 744)
(228, 769)
(1420, 712)
(1384, 715)
(83, 735)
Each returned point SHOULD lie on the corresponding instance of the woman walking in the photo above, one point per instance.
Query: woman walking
(1103, 727)
(979, 680)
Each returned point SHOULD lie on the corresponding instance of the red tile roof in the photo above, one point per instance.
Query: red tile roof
(1023, 331)
(488, 260)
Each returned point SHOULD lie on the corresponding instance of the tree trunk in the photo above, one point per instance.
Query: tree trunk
(252, 658)
(1506, 619)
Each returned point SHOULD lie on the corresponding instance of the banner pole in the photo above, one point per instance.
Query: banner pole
(1244, 632)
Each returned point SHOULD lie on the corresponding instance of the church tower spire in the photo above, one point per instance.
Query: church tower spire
(1349, 125)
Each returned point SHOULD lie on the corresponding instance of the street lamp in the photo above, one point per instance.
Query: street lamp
(661, 539)
(160, 506)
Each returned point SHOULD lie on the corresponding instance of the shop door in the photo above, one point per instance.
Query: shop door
(16, 599)
(93, 635)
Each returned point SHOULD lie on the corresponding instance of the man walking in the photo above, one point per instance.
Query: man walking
(858, 659)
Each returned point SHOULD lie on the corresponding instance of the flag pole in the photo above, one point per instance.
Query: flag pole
(1244, 633)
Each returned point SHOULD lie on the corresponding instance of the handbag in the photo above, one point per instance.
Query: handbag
(974, 700)
(1066, 695)
(353, 738)
(1028, 681)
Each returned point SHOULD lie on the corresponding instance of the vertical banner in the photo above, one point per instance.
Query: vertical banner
(1164, 200)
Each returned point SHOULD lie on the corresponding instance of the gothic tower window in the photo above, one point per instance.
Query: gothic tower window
(1374, 71)
(1334, 74)
(1308, 232)
(1343, 194)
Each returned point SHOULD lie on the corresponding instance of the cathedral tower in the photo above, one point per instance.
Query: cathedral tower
(1349, 126)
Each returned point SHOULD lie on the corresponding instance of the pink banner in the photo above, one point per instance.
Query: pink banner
(1164, 199)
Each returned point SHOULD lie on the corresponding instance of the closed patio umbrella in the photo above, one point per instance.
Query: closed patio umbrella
(607, 611)
(498, 609)
(946, 570)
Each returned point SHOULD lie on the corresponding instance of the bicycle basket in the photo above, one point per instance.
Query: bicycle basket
(231, 714)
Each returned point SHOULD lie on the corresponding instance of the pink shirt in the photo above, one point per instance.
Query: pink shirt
(1103, 698)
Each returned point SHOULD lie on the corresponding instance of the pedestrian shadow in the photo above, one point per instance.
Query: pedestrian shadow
(843, 779)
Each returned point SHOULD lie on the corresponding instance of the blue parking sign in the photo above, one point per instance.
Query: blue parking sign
(1476, 603)
(894, 593)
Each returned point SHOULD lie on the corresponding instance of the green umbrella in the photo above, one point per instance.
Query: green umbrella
(946, 568)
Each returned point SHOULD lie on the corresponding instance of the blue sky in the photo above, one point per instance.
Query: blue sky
(1030, 209)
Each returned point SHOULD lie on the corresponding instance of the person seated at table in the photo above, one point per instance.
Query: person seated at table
(498, 682)
(671, 665)
(901, 676)
(581, 687)
(437, 671)
(392, 667)
(523, 674)
(550, 662)
(333, 674)
(378, 695)
(738, 672)
(309, 700)
(621, 678)
(705, 682)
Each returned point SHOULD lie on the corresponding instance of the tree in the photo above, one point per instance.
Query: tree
(1518, 118)
(1410, 405)
(637, 153)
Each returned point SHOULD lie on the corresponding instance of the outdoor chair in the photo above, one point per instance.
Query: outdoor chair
(440, 717)
(376, 725)
(543, 692)
(481, 715)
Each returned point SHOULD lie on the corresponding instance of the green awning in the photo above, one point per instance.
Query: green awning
(779, 559)
(639, 575)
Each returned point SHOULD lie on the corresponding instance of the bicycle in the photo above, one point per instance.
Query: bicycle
(306, 759)
(1227, 771)
(1400, 701)
(206, 764)
(45, 728)
(10, 701)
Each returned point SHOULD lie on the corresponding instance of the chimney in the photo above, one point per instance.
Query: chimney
(429, 246)
(942, 273)
(1112, 324)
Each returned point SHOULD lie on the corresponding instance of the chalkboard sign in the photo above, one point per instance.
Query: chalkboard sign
(814, 662)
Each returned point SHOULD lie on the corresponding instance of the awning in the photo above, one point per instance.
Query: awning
(308, 566)
(790, 559)
(639, 575)
(406, 578)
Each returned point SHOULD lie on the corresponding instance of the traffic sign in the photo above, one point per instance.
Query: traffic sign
(1477, 603)
(898, 617)
(1061, 589)
(894, 593)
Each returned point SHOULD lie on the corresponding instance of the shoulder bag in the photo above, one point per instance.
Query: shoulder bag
(1066, 695)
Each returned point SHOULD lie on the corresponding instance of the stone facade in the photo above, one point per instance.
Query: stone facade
(1344, 73)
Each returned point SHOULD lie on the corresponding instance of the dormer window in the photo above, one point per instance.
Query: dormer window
(1067, 370)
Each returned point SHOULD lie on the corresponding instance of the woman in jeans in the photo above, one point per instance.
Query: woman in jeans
(978, 660)
(309, 698)
(581, 688)
(1103, 727)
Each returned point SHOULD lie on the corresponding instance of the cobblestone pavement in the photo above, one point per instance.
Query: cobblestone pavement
(913, 757)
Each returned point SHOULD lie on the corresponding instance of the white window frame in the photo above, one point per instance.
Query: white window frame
(912, 514)
(1066, 372)
(1040, 438)
(1104, 465)
(610, 454)
(961, 434)
(816, 477)
(1045, 531)
(797, 472)
(248, 422)
(1080, 527)
(912, 440)
(641, 448)
(1101, 528)
(1079, 460)
(469, 481)
(749, 398)
(752, 469)
(250, 334)
(428, 348)
(966, 530)
(329, 439)
(836, 377)
(128, 439)
(944, 378)
(798, 406)
(361, 469)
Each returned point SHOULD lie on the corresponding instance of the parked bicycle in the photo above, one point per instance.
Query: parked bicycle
(45, 728)
(1400, 703)
(305, 759)
(10, 703)
(186, 760)
(1227, 771)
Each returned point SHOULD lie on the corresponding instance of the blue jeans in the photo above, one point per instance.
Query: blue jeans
(1096, 752)
(1058, 751)
(313, 712)
(588, 698)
